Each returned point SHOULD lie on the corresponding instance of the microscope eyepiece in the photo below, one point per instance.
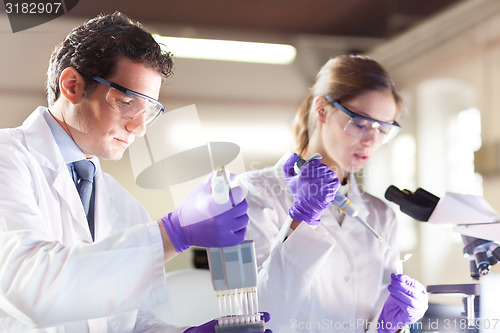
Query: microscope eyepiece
(418, 205)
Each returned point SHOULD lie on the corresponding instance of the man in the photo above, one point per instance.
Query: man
(77, 252)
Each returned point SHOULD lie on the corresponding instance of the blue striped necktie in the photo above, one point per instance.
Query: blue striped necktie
(85, 170)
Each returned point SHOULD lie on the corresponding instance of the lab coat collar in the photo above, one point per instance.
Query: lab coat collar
(38, 136)
(42, 146)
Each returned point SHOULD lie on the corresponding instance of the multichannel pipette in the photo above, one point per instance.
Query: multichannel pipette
(234, 274)
(234, 277)
(341, 201)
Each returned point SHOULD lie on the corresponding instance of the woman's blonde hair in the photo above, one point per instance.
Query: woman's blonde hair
(342, 78)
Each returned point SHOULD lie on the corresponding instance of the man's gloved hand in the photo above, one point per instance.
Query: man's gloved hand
(313, 189)
(209, 327)
(407, 303)
(200, 221)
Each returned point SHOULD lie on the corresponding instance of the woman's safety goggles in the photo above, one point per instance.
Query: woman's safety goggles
(360, 127)
(128, 103)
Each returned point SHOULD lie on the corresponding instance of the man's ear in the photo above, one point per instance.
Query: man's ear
(71, 85)
(319, 108)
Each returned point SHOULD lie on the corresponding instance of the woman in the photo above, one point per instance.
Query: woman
(330, 273)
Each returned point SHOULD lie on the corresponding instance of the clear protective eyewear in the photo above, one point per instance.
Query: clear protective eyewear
(128, 103)
(360, 126)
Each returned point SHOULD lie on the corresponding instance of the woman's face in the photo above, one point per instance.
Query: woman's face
(344, 152)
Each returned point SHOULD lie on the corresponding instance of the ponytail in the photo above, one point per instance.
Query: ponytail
(301, 126)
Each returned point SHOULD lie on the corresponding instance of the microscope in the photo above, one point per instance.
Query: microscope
(479, 226)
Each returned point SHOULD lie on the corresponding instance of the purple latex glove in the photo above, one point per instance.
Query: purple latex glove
(313, 189)
(210, 326)
(407, 303)
(200, 221)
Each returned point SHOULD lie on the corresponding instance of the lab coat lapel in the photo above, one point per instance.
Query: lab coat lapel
(41, 143)
(106, 214)
(69, 195)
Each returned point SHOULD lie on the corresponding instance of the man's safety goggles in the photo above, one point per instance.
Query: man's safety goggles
(128, 103)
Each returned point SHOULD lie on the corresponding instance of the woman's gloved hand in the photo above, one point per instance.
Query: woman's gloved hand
(313, 189)
(209, 327)
(200, 221)
(407, 303)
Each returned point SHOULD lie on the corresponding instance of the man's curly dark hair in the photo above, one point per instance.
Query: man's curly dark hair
(96, 47)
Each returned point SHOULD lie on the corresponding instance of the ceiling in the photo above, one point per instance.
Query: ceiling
(350, 18)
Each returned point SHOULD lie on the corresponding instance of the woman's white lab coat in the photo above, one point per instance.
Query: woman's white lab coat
(51, 273)
(332, 279)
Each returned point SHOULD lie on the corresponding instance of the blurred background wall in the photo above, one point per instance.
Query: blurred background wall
(445, 61)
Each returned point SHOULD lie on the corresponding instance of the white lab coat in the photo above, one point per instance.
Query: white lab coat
(332, 279)
(53, 278)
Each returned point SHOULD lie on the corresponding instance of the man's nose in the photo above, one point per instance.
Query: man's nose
(137, 125)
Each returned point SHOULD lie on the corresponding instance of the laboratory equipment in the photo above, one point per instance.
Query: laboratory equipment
(400, 262)
(234, 276)
(341, 201)
(233, 270)
(422, 206)
(221, 190)
(473, 216)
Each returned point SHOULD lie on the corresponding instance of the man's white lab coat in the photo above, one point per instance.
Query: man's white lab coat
(51, 273)
(332, 279)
